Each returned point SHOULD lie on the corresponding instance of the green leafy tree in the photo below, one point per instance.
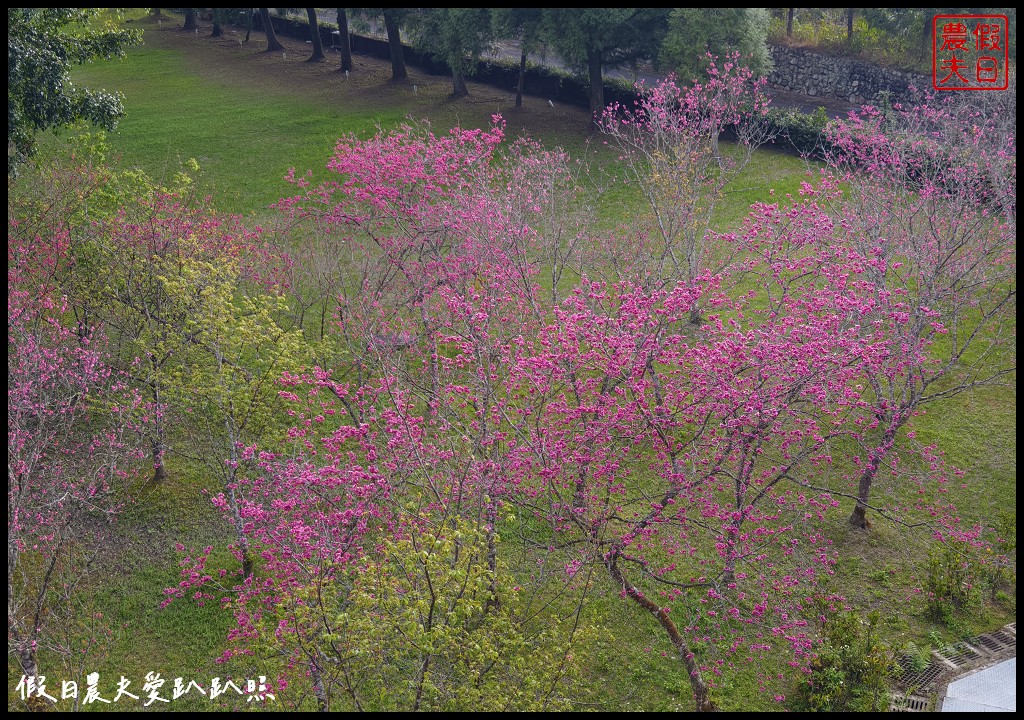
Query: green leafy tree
(118, 223)
(457, 36)
(42, 46)
(430, 623)
(910, 23)
(232, 352)
(693, 33)
(592, 39)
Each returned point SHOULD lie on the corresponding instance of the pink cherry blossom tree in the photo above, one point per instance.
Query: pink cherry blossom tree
(670, 151)
(689, 465)
(929, 203)
(70, 448)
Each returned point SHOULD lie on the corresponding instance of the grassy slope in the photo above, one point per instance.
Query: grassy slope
(247, 117)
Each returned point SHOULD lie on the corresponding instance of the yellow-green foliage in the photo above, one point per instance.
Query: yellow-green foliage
(232, 348)
(426, 624)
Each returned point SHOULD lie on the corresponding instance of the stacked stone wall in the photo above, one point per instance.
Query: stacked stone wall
(854, 81)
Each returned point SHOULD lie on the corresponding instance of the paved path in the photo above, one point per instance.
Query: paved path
(993, 689)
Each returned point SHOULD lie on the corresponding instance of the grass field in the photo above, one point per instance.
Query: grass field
(247, 117)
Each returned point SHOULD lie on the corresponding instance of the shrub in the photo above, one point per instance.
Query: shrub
(852, 670)
(952, 584)
(799, 132)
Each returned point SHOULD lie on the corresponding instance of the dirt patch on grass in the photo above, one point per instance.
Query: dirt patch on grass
(368, 86)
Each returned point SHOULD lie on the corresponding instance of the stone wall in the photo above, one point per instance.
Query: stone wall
(855, 81)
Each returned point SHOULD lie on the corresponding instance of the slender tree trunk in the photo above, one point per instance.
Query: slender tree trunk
(30, 668)
(420, 682)
(849, 24)
(596, 87)
(522, 80)
(158, 449)
(158, 442)
(268, 28)
(701, 692)
(314, 34)
(345, 40)
(859, 517)
(435, 367)
(25, 646)
(237, 521)
(248, 27)
(789, 21)
(398, 71)
(319, 691)
(926, 32)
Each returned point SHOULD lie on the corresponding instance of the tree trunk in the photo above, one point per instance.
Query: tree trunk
(859, 517)
(346, 41)
(522, 80)
(319, 691)
(190, 20)
(217, 31)
(701, 693)
(248, 27)
(927, 32)
(30, 668)
(314, 35)
(789, 22)
(237, 521)
(159, 471)
(268, 28)
(849, 24)
(157, 441)
(596, 87)
(398, 71)
(459, 88)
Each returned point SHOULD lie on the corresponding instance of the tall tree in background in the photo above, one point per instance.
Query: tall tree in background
(314, 32)
(457, 36)
(525, 25)
(695, 32)
(591, 39)
(345, 40)
(42, 46)
(268, 28)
